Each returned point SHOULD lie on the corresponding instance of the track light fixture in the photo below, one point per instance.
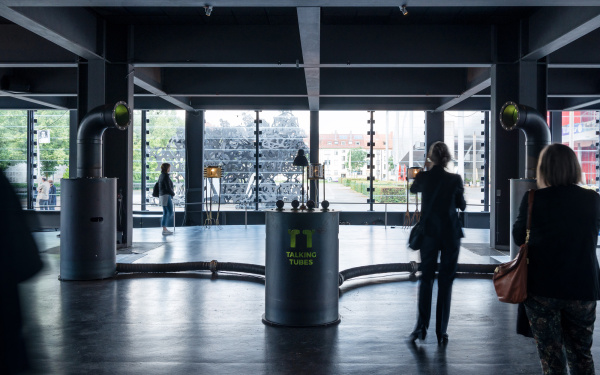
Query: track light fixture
(403, 10)
(208, 10)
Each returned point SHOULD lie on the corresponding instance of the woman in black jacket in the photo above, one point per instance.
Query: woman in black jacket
(442, 195)
(562, 285)
(165, 194)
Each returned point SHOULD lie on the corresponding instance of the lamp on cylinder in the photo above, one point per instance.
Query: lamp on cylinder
(301, 161)
(213, 171)
(210, 173)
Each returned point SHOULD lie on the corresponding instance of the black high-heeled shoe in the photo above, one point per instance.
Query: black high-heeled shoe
(418, 333)
(442, 338)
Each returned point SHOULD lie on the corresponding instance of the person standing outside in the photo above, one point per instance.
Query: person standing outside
(43, 189)
(51, 195)
(562, 274)
(442, 194)
(165, 197)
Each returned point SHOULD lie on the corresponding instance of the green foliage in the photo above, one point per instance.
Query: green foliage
(13, 138)
(391, 166)
(383, 191)
(356, 159)
(165, 145)
(56, 153)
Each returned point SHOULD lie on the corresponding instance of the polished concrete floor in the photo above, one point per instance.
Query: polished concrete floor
(195, 323)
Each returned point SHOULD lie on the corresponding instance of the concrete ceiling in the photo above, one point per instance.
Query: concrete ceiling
(300, 54)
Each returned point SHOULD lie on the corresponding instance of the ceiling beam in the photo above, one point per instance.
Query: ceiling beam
(309, 23)
(583, 104)
(296, 3)
(149, 80)
(31, 100)
(74, 29)
(481, 81)
(553, 28)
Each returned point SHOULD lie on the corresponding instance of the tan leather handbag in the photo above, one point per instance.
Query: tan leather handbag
(510, 278)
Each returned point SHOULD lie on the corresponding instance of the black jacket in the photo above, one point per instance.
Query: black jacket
(165, 185)
(562, 244)
(439, 217)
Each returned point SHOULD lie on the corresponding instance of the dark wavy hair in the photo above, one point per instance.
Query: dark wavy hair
(164, 167)
(439, 154)
(558, 166)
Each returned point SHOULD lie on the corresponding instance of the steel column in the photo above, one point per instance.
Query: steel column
(144, 160)
(31, 154)
(371, 144)
(257, 145)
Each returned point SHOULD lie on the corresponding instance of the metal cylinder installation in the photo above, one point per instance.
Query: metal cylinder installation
(302, 268)
(88, 219)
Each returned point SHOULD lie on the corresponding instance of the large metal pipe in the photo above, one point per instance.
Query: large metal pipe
(533, 125)
(89, 136)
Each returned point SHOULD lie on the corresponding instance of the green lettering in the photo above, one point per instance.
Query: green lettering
(293, 233)
(308, 233)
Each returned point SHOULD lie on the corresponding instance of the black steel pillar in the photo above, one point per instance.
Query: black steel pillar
(31, 160)
(314, 153)
(556, 126)
(486, 162)
(144, 176)
(118, 162)
(504, 159)
(434, 129)
(257, 155)
(370, 166)
(194, 181)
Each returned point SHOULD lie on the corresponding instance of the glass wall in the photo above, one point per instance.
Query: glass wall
(399, 143)
(230, 142)
(13, 150)
(165, 143)
(579, 132)
(52, 149)
(463, 133)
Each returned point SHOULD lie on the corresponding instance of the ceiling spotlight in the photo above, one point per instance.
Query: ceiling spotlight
(403, 10)
(208, 9)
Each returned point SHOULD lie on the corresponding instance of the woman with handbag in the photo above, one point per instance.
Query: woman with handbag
(165, 194)
(563, 275)
(442, 193)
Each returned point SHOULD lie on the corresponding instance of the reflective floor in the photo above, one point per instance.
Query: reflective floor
(194, 323)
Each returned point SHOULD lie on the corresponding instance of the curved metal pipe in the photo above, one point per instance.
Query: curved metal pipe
(212, 266)
(411, 267)
(215, 266)
(533, 125)
(89, 136)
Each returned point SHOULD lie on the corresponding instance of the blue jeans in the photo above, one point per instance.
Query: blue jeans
(167, 218)
(44, 204)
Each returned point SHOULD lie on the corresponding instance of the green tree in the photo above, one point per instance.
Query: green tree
(355, 160)
(391, 166)
(55, 153)
(13, 138)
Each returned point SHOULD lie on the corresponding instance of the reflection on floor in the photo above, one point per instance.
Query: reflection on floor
(195, 323)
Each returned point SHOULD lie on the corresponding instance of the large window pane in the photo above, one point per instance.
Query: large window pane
(579, 132)
(283, 133)
(52, 149)
(399, 143)
(13, 150)
(165, 143)
(229, 142)
(138, 194)
(463, 135)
